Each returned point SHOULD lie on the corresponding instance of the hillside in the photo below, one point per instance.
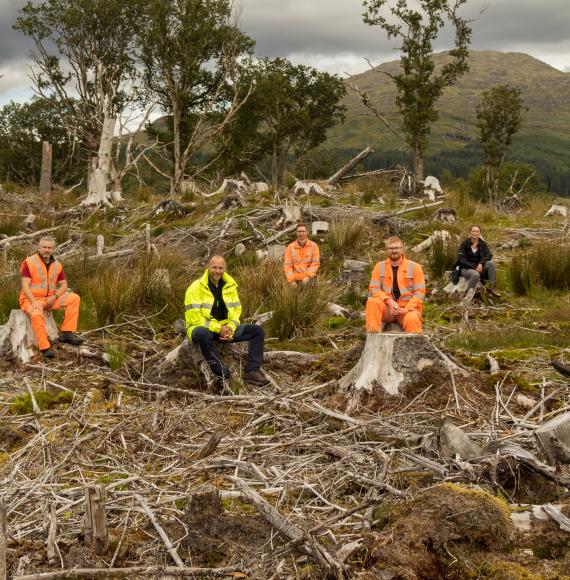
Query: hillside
(544, 139)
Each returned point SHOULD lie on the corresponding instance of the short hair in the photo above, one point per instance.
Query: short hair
(393, 240)
(216, 256)
(475, 226)
(301, 225)
(47, 239)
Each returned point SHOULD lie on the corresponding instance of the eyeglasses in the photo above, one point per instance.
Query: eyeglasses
(395, 249)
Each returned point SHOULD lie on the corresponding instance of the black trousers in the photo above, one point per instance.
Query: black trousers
(252, 333)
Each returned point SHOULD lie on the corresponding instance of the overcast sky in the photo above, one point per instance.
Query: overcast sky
(330, 34)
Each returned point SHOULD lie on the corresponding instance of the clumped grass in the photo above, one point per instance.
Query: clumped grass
(297, 310)
(344, 235)
(152, 285)
(256, 283)
(442, 257)
(9, 297)
(10, 225)
(546, 266)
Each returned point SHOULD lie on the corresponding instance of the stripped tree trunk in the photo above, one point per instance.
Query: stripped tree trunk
(99, 194)
(349, 166)
(45, 176)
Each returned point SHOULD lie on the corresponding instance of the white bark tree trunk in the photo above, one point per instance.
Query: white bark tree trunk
(17, 338)
(391, 362)
(99, 194)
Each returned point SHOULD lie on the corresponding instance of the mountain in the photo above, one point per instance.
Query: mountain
(543, 141)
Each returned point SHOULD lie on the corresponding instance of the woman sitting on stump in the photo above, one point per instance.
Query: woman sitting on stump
(476, 262)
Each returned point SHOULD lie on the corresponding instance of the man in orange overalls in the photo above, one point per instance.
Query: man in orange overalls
(396, 292)
(44, 287)
(302, 258)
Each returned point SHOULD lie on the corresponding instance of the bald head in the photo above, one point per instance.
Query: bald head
(216, 268)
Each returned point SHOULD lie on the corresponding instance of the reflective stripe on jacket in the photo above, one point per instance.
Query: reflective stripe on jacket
(199, 300)
(411, 282)
(44, 280)
(301, 262)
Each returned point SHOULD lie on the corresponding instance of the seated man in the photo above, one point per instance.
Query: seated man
(213, 311)
(475, 262)
(44, 287)
(302, 258)
(396, 292)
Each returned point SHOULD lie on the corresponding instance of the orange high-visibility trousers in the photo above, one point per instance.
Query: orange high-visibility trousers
(69, 302)
(377, 312)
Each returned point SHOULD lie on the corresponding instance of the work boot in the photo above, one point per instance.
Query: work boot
(47, 353)
(257, 378)
(70, 338)
(491, 290)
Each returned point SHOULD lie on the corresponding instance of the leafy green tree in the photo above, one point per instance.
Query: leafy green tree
(419, 85)
(190, 51)
(23, 127)
(84, 58)
(287, 114)
(500, 114)
(519, 178)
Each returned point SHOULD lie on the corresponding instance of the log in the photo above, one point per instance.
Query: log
(259, 187)
(334, 179)
(51, 543)
(291, 213)
(391, 362)
(20, 237)
(209, 447)
(232, 186)
(554, 438)
(100, 245)
(446, 215)
(96, 535)
(45, 175)
(135, 571)
(558, 210)
(356, 265)
(442, 235)
(17, 338)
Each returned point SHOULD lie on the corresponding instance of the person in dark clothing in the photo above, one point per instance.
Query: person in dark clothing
(476, 263)
(213, 311)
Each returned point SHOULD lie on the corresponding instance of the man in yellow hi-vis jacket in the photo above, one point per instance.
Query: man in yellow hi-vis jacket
(212, 312)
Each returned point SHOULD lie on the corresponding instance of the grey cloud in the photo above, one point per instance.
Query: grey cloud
(14, 46)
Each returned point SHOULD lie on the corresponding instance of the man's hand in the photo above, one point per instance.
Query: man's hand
(479, 268)
(225, 332)
(306, 280)
(293, 284)
(50, 302)
(37, 306)
(393, 307)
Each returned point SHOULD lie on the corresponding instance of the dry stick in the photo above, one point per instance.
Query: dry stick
(294, 532)
(209, 447)
(279, 234)
(343, 516)
(171, 549)
(3, 538)
(35, 405)
(156, 571)
(540, 404)
(51, 544)
(17, 238)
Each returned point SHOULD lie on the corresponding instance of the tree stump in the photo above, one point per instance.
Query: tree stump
(96, 534)
(554, 437)
(392, 362)
(187, 355)
(17, 338)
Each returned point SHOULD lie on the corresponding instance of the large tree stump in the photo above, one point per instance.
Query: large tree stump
(17, 338)
(554, 437)
(187, 355)
(391, 362)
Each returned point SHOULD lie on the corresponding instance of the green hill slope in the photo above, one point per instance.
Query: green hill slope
(544, 139)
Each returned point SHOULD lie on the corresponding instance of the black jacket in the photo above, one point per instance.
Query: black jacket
(470, 260)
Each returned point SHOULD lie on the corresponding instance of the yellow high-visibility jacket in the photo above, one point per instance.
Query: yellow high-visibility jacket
(411, 283)
(301, 262)
(199, 300)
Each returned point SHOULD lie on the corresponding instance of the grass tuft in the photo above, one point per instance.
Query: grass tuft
(442, 257)
(344, 235)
